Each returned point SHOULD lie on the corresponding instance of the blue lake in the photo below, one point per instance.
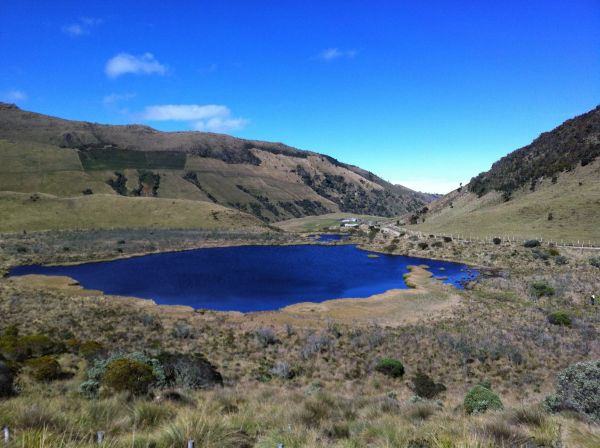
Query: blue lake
(251, 278)
(325, 237)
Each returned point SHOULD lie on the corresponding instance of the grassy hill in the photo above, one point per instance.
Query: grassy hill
(548, 189)
(23, 211)
(271, 181)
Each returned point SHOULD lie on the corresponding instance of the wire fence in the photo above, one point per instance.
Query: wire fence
(467, 238)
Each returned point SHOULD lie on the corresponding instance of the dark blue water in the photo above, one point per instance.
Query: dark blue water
(250, 278)
(325, 237)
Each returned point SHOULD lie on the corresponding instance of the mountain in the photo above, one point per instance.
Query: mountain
(271, 181)
(549, 188)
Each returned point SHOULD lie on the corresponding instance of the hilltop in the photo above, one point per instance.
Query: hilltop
(271, 181)
(549, 188)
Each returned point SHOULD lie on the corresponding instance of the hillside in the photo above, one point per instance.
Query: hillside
(549, 189)
(271, 181)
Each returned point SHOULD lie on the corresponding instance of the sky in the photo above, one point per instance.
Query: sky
(424, 94)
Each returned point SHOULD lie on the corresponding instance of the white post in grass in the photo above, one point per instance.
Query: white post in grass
(191, 444)
(6, 434)
(100, 437)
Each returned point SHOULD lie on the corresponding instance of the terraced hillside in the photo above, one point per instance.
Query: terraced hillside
(549, 189)
(271, 181)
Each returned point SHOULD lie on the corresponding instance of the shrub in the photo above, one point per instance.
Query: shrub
(265, 336)
(189, 371)
(423, 245)
(90, 349)
(480, 399)
(182, 330)
(11, 330)
(96, 372)
(554, 252)
(283, 370)
(425, 387)
(40, 345)
(436, 244)
(447, 239)
(539, 289)
(561, 260)
(127, 375)
(6, 380)
(531, 243)
(497, 241)
(538, 253)
(578, 389)
(44, 369)
(390, 367)
(560, 318)
(595, 261)
(17, 348)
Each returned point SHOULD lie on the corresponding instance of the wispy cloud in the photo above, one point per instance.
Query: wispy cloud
(81, 27)
(114, 98)
(124, 63)
(331, 54)
(221, 124)
(426, 185)
(208, 117)
(13, 96)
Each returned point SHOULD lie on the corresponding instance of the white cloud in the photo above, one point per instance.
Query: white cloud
(219, 124)
(114, 98)
(440, 186)
(185, 112)
(330, 54)
(14, 96)
(124, 63)
(208, 117)
(83, 26)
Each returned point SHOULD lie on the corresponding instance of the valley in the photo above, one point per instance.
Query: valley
(391, 367)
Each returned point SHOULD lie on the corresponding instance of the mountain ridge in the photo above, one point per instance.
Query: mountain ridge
(269, 180)
(549, 188)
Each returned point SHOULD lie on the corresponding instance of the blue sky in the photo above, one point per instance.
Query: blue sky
(426, 94)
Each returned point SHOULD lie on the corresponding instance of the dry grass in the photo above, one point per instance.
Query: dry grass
(44, 212)
(572, 200)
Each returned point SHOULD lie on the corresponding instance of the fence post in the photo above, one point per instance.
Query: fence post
(100, 437)
(6, 434)
(191, 444)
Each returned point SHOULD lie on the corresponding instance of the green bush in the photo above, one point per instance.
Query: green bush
(90, 349)
(539, 289)
(531, 243)
(425, 387)
(595, 261)
(480, 399)
(554, 252)
(423, 245)
(127, 375)
(561, 260)
(497, 241)
(390, 367)
(560, 318)
(41, 345)
(96, 372)
(578, 390)
(44, 368)
(11, 330)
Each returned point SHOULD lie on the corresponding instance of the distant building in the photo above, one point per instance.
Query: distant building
(349, 224)
(349, 220)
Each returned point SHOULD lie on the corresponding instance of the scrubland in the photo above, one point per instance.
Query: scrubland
(305, 377)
